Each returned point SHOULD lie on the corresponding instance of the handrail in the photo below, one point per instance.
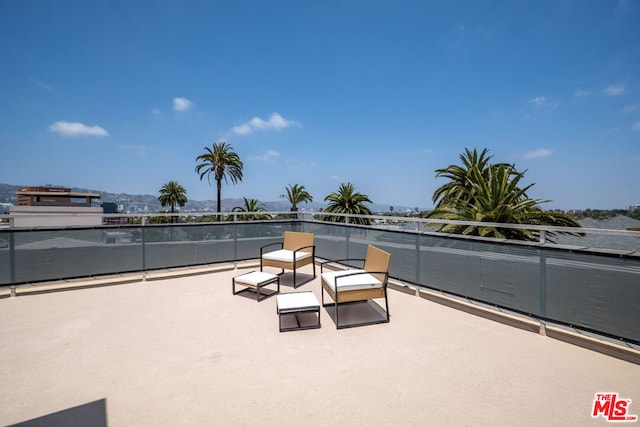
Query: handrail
(311, 216)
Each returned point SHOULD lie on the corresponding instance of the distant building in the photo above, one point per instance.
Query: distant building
(53, 196)
(109, 207)
(54, 207)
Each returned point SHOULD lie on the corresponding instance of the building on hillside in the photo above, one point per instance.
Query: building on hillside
(54, 207)
(53, 196)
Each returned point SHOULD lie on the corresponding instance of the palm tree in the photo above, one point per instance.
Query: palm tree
(296, 194)
(491, 193)
(222, 162)
(252, 205)
(172, 194)
(460, 183)
(348, 201)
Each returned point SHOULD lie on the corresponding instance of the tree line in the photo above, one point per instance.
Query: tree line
(476, 191)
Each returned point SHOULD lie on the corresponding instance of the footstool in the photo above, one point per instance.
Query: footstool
(254, 281)
(296, 303)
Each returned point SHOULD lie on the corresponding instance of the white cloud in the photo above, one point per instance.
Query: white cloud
(631, 108)
(582, 93)
(181, 104)
(635, 126)
(543, 102)
(615, 90)
(540, 152)
(275, 122)
(265, 157)
(243, 129)
(76, 129)
(539, 104)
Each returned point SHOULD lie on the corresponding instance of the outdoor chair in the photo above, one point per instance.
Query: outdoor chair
(296, 250)
(355, 285)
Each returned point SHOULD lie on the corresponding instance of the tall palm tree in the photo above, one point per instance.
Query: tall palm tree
(172, 194)
(348, 201)
(252, 205)
(296, 194)
(223, 163)
(461, 178)
(492, 194)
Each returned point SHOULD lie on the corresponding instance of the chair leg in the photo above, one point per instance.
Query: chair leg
(386, 303)
(294, 276)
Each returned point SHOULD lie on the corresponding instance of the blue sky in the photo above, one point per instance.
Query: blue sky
(122, 96)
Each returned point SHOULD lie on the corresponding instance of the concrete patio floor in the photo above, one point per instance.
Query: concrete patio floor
(185, 352)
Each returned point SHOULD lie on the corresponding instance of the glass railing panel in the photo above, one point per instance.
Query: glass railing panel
(54, 254)
(594, 292)
(330, 240)
(495, 273)
(5, 258)
(251, 236)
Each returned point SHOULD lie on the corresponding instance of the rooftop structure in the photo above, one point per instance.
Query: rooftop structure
(53, 196)
(186, 351)
(54, 206)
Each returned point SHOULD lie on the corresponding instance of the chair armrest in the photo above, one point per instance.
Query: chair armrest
(356, 273)
(270, 244)
(305, 247)
(339, 261)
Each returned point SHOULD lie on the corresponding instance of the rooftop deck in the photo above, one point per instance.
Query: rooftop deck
(185, 351)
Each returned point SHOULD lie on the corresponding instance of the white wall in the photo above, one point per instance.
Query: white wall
(55, 216)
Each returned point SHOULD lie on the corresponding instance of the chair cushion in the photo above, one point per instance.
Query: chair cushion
(255, 278)
(284, 255)
(357, 281)
(296, 300)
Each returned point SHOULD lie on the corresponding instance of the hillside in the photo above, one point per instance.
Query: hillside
(149, 203)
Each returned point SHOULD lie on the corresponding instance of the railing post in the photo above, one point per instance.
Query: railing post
(347, 238)
(543, 236)
(12, 257)
(543, 288)
(144, 252)
(12, 263)
(417, 260)
(235, 243)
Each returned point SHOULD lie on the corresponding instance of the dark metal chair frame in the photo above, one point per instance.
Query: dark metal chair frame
(295, 311)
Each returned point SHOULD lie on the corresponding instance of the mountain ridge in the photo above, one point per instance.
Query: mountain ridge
(135, 203)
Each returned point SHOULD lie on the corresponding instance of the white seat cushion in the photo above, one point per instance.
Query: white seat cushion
(357, 281)
(285, 255)
(255, 278)
(297, 301)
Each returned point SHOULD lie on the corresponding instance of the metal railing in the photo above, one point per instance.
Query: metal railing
(596, 289)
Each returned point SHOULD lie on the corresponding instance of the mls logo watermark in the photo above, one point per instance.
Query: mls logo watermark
(612, 408)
